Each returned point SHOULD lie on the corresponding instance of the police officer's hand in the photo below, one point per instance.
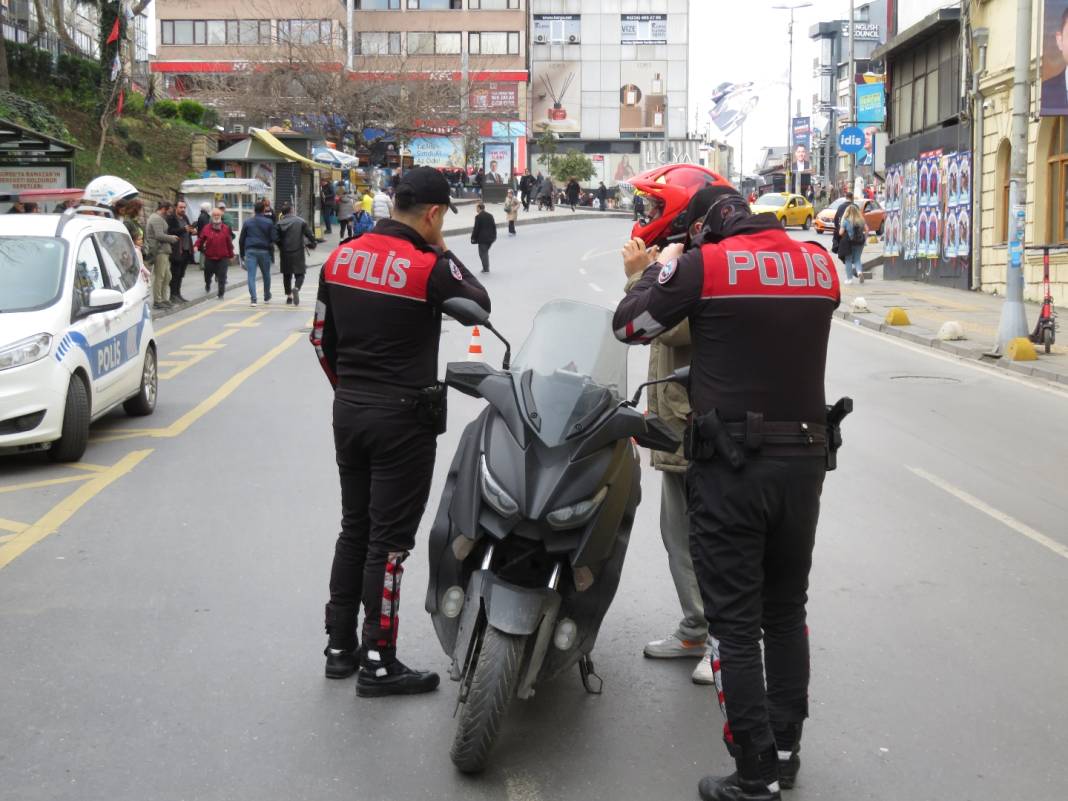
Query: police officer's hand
(636, 257)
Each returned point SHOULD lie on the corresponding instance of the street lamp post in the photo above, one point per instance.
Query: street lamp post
(790, 88)
(852, 92)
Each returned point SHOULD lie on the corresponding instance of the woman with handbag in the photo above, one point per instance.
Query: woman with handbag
(511, 211)
(851, 237)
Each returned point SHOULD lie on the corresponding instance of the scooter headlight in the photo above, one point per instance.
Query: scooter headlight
(577, 514)
(494, 494)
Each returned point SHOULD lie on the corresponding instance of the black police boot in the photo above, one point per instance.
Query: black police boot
(756, 779)
(788, 744)
(342, 653)
(381, 673)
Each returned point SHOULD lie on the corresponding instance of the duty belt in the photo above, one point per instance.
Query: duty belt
(708, 437)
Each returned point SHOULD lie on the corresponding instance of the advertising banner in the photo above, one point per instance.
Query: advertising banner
(802, 127)
(494, 97)
(871, 102)
(1054, 99)
(21, 179)
(556, 87)
(497, 161)
(437, 151)
(642, 96)
(557, 28)
(643, 29)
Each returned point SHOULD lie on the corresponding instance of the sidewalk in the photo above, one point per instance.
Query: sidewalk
(929, 306)
(463, 221)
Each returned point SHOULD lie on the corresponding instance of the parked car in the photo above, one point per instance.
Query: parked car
(874, 216)
(789, 209)
(76, 334)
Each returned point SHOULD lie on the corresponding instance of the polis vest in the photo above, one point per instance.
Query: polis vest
(768, 264)
(381, 264)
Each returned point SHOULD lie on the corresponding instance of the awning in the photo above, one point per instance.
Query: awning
(19, 142)
(247, 150)
(928, 26)
(274, 143)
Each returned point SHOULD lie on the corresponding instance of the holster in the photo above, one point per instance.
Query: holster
(431, 408)
(706, 438)
(835, 415)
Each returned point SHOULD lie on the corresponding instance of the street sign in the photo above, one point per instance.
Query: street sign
(851, 139)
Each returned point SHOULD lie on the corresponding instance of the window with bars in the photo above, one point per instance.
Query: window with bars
(493, 43)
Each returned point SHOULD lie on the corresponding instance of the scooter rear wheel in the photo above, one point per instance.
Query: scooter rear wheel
(492, 689)
(1047, 338)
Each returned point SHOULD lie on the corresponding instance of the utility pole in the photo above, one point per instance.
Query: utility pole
(350, 40)
(852, 77)
(1013, 317)
(790, 90)
(741, 155)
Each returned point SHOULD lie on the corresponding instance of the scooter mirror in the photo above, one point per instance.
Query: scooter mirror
(465, 311)
(681, 376)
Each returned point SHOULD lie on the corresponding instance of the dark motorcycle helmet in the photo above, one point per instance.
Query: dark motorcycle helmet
(726, 208)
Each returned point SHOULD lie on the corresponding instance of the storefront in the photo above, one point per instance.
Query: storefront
(32, 161)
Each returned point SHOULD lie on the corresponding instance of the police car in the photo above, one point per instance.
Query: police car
(76, 335)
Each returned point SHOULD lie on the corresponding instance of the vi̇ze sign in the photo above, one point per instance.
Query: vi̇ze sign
(851, 139)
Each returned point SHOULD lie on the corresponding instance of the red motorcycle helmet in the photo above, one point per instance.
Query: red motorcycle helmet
(667, 192)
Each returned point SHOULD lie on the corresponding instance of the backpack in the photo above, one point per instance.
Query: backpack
(857, 236)
(362, 223)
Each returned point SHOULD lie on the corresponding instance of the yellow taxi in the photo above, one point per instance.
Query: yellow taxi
(789, 209)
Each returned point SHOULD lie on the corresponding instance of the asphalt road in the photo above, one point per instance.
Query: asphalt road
(161, 635)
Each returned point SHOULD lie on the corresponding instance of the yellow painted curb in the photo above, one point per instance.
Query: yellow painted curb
(1020, 350)
(897, 316)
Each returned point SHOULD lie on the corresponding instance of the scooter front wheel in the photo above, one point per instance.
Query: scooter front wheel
(492, 689)
(1047, 338)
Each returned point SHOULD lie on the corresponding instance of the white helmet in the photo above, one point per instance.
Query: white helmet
(107, 190)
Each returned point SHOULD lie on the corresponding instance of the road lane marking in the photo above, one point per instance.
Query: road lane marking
(12, 525)
(59, 514)
(180, 425)
(595, 288)
(1007, 520)
(251, 322)
(5, 537)
(91, 468)
(47, 482)
(198, 316)
(1032, 382)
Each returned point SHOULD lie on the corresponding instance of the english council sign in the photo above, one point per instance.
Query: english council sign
(851, 139)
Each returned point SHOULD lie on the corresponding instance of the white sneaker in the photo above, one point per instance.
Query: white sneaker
(672, 647)
(848, 280)
(702, 674)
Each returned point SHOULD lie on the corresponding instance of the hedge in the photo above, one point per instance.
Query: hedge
(191, 111)
(165, 109)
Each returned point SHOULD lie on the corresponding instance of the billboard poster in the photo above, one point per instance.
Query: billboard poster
(643, 29)
(557, 28)
(802, 128)
(494, 96)
(871, 103)
(612, 168)
(642, 96)
(497, 161)
(437, 151)
(1054, 97)
(928, 207)
(557, 96)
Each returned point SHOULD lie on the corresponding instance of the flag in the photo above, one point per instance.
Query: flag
(114, 35)
(116, 65)
(118, 106)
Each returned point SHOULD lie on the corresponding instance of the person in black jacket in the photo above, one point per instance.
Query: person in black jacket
(484, 234)
(327, 198)
(294, 235)
(572, 193)
(182, 250)
(602, 196)
(526, 186)
(839, 213)
(376, 331)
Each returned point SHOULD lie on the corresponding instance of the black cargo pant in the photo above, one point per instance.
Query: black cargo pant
(751, 538)
(385, 458)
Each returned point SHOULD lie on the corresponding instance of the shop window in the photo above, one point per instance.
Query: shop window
(1001, 183)
(1057, 182)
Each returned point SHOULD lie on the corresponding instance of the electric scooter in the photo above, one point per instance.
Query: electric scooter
(528, 543)
(1045, 332)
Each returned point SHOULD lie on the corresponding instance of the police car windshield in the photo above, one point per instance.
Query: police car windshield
(771, 199)
(572, 369)
(31, 272)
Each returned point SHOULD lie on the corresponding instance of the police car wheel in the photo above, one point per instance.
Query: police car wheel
(144, 402)
(75, 432)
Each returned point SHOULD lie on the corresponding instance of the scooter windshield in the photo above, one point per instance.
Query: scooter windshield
(570, 370)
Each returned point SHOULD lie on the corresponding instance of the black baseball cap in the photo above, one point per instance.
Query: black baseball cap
(426, 185)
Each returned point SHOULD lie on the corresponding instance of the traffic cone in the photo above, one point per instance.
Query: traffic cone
(474, 350)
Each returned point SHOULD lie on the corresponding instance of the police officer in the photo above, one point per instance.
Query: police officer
(760, 307)
(376, 331)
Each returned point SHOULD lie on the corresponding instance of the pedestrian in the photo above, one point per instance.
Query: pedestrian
(382, 207)
(294, 236)
(17, 207)
(484, 234)
(367, 202)
(178, 225)
(546, 194)
(131, 218)
(670, 351)
(760, 442)
(268, 209)
(378, 345)
(480, 180)
(204, 218)
(326, 202)
(639, 206)
(362, 222)
(215, 242)
(259, 236)
(572, 193)
(839, 213)
(157, 251)
(851, 238)
(602, 195)
(30, 207)
(511, 211)
(344, 216)
(526, 185)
